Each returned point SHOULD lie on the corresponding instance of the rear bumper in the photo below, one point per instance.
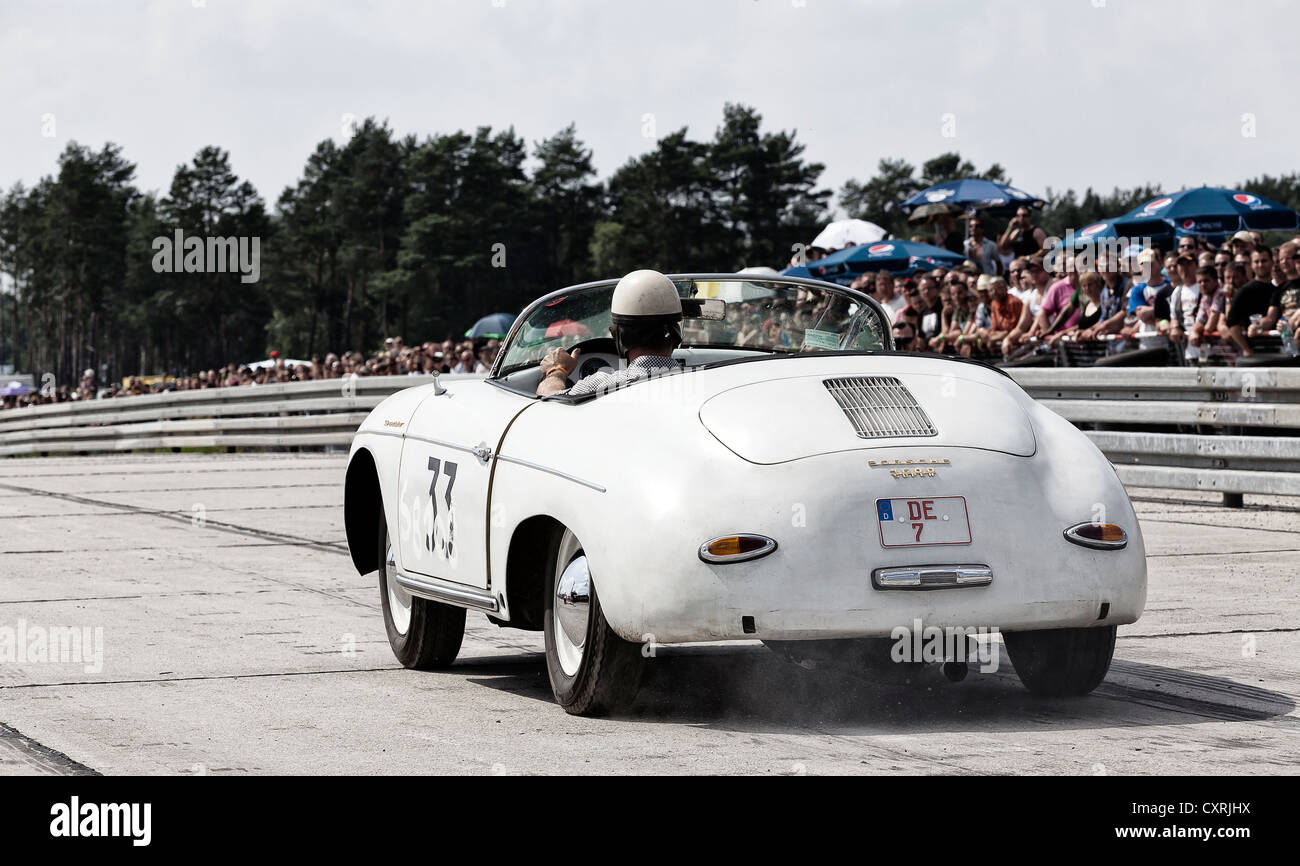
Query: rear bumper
(818, 583)
(849, 606)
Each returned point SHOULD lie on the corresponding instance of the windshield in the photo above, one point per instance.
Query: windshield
(771, 315)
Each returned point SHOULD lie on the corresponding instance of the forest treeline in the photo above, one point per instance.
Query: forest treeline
(386, 234)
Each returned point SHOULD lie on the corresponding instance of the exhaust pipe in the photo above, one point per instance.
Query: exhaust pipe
(955, 671)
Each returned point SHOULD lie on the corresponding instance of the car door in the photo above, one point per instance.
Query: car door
(447, 456)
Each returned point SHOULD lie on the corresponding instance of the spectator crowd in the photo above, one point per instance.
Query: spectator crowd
(1014, 296)
(395, 359)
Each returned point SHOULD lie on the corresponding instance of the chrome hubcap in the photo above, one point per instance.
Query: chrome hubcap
(399, 600)
(572, 608)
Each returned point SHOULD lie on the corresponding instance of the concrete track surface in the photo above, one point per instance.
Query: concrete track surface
(237, 638)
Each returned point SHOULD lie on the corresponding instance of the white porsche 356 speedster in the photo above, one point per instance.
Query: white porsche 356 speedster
(796, 481)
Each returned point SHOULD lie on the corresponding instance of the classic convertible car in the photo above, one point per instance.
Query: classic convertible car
(797, 482)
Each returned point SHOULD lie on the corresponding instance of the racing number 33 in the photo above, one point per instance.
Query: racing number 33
(431, 541)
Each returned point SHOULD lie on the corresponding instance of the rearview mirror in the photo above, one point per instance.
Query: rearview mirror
(712, 309)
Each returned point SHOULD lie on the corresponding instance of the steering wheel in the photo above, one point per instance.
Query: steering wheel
(602, 345)
(591, 347)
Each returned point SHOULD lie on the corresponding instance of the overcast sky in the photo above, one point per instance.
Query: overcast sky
(1064, 93)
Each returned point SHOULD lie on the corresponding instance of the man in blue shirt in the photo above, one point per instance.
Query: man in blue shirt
(1149, 300)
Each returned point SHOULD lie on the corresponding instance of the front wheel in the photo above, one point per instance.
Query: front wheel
(1062, 661)
(425, 635)
(592, 670)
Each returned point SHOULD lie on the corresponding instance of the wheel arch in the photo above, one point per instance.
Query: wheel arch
(528, 561)
(362, 499)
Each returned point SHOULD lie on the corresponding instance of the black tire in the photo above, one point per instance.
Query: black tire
(434, 634)
(1061, 662)
(609, 674)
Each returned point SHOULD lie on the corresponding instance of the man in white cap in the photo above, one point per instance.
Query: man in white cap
(1243, 242)
(646, 317)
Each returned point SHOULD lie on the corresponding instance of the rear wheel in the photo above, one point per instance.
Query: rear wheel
(1062, 661)
(424, 634)
(592, 670)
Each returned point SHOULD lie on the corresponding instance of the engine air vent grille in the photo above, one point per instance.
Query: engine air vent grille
(879, 406)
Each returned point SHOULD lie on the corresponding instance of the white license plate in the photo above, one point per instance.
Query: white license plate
(927, 520)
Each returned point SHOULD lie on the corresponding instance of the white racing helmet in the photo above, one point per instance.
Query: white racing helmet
(645, 310)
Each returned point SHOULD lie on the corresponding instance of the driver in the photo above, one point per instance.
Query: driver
(646, 323)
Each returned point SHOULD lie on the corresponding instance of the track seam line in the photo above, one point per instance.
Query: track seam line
(1225, 552)
(1216, 525)
(330, 547)
(1205, 633)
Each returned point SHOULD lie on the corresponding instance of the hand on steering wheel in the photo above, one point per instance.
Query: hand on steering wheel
(557, 358)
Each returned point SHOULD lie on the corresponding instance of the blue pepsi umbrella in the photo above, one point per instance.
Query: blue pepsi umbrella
(1216, 239)
(496, 325)
(1156, 230)
(796, 271)
(1213, 210)
(973, 194)
(903, 257)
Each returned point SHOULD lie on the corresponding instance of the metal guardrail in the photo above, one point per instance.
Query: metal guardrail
(284, 415)
(1233, 430)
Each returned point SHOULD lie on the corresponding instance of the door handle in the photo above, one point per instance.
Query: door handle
(482, 452)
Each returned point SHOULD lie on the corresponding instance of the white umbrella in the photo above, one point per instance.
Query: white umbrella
(270, 362)
(849, 233)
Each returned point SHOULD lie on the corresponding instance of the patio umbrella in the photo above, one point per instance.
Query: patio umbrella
(1213, 211)
(797, 271)
(848, 233)
(14, 389)
(271, 362)
(1214, 239)
(496, 325)
(973, 194)
(1107, 231)
(928, 212)
(903, 257)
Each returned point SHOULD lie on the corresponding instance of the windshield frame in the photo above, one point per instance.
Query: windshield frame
(821, 285)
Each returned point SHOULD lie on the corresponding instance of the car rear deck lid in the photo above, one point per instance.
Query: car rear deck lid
(786, 419)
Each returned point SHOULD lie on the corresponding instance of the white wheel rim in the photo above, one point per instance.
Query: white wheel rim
(567, 652)
(399, 600)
